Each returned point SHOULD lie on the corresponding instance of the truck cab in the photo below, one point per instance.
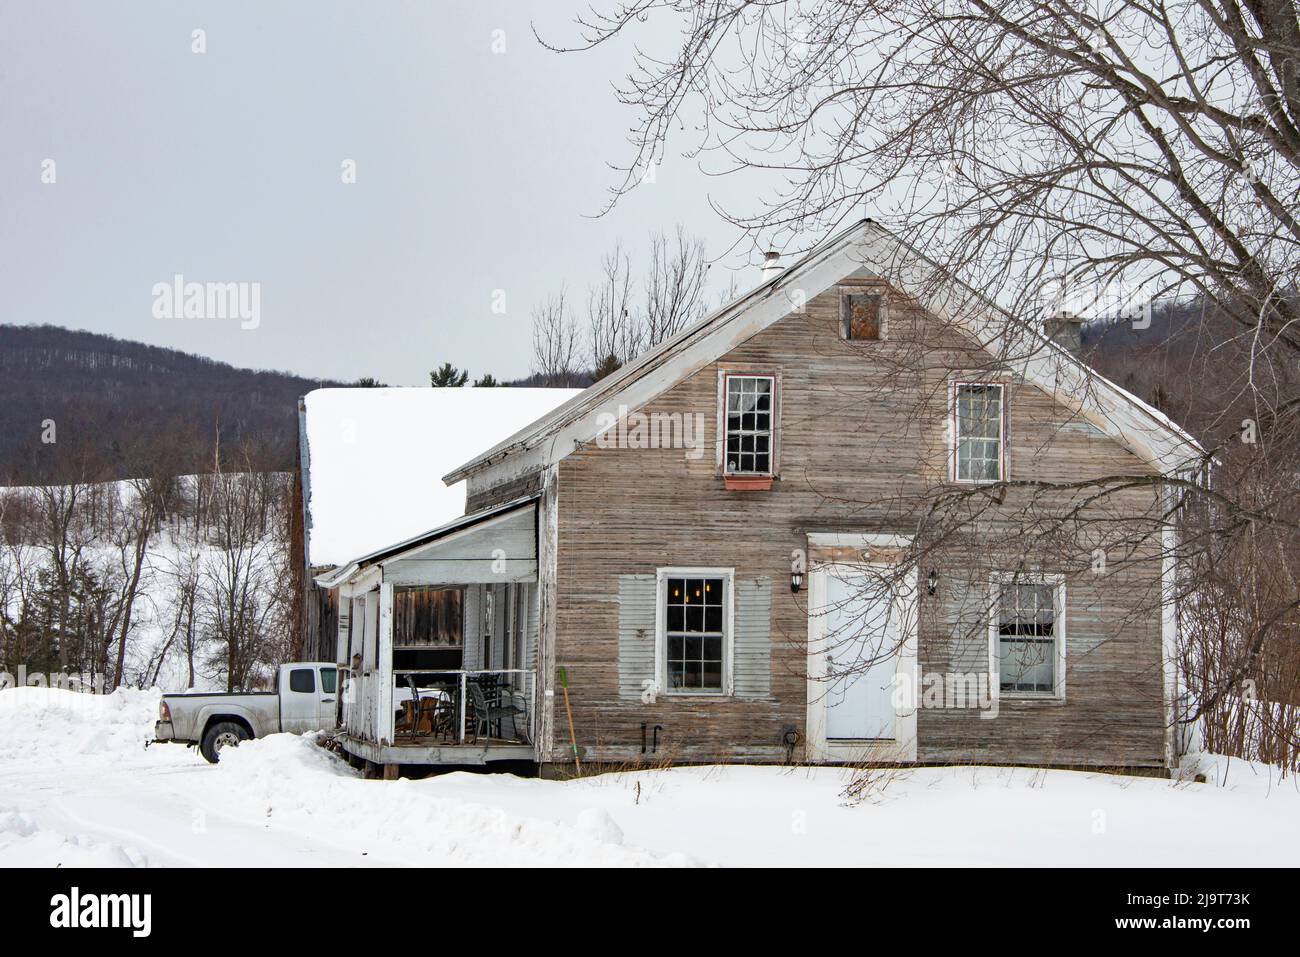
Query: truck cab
(308, 693)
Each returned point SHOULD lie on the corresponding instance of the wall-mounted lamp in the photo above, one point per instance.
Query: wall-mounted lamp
(796, 581)
(798, 564)
(932, 583)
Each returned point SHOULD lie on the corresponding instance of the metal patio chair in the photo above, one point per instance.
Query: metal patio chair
(488, 712)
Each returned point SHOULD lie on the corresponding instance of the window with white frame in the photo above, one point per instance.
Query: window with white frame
(695, 640)
(979, 413)
(1028, 636)
(750, 424)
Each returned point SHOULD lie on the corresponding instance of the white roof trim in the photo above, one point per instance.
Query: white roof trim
(1115, 412)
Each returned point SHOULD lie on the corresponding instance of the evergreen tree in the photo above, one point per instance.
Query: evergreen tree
(448, 377)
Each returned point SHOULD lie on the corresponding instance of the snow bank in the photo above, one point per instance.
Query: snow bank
(297, 784)
(53, 725)
(23, 843)
(377, 458)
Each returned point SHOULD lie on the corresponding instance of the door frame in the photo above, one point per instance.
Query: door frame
(902, 749)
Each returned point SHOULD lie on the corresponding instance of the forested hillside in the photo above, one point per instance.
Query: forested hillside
(78, 405)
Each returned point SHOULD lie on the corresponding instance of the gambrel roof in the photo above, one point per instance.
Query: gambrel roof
(865, 245)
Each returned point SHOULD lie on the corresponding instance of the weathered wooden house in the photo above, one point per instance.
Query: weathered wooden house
(742, 547)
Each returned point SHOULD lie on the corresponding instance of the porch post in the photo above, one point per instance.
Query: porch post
(460, 697)
(384, 666)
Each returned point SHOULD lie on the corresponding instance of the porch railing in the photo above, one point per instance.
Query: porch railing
(510, 696)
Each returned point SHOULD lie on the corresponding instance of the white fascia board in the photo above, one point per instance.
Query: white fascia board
(336, 576)
(358, 581)
(610, 393)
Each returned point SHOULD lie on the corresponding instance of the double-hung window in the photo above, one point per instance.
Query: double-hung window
(750, 424)
(979, 432)
(694, 639)
(1028, 636)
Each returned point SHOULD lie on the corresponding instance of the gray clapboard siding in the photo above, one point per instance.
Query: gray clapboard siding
(965, 606)
(343, 652)
(636, 634)
(752, 642)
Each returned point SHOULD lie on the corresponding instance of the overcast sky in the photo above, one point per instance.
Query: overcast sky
(476, 171)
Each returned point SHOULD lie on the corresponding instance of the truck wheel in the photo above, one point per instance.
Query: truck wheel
(224, 734)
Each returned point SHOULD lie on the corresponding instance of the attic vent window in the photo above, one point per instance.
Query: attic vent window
(863, 316)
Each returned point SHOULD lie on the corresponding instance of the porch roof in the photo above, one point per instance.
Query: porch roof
(418, 547)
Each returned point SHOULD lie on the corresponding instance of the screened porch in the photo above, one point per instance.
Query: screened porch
(438, 646)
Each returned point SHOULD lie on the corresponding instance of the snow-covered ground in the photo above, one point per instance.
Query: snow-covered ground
(78, 787)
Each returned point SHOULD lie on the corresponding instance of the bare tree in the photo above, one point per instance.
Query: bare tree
(238, 582)
(555, 343)
(674, 285)
(1157, 146)
(142, 519)
(613, 330)
(19, 561)
(66, 533)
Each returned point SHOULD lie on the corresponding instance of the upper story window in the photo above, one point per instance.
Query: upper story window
(863, 316)
(1028, 640)
(750, 424)
(979, 432)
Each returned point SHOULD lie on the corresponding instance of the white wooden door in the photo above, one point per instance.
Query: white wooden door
(862, 645)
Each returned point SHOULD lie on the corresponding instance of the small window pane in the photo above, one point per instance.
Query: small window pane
(694, 634)
(979, 433)
(1027, 650)
(302, 680)
(749, 425)
(328, 680)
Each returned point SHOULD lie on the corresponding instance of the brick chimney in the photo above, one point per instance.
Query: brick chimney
(1065, 328)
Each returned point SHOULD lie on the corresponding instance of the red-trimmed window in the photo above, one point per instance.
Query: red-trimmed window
(979, 431)
(750, 423)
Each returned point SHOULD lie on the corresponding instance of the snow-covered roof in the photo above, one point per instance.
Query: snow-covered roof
(375, 458)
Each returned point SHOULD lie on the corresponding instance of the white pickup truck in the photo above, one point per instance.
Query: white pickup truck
(303, 700)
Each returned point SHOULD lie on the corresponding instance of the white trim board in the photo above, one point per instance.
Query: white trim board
(1059, 632)
(728, 576)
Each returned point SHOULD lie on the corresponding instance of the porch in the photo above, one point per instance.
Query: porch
(438, 645)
